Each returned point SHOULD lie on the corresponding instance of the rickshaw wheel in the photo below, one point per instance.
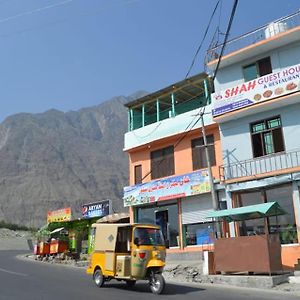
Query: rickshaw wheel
(98, 278)
(130, 283)
(157, 283)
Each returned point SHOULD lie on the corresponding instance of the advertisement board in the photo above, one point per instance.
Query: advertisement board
(261, 89)
(60, 215)
(168, 188)
(96, 209)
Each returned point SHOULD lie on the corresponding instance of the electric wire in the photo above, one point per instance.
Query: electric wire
(61, 20)
(30, 12)
(226, 37)
(179, 140)
(202, 109)
(202, 41)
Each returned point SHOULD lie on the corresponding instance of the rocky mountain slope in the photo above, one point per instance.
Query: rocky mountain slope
(54, 160)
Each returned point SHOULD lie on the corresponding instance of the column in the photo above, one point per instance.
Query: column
(157, 110)
(180, 224)
(130, 120)
(173, 104)
(230, 206)
(143, 115)
(207, 96)
(296, 202)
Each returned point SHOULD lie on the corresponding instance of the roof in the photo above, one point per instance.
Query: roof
(189, 88)
(98, 224)
(57, 230)
(113, 218)
(248, 212)
(111, 224)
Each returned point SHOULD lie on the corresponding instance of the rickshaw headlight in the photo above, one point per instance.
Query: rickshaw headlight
(157, 254)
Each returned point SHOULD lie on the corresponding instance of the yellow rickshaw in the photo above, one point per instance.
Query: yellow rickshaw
(128, 252)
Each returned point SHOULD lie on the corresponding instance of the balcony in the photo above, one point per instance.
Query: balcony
(270, 165)
(256, 36)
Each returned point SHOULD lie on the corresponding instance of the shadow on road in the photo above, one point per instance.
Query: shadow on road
(143, 287)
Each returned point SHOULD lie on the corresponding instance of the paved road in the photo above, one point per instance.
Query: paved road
(30, 280)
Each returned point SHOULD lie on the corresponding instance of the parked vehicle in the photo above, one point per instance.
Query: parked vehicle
(128, 252)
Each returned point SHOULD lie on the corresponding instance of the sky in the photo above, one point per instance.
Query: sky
(70, 54)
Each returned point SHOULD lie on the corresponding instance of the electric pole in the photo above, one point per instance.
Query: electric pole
(214, 198)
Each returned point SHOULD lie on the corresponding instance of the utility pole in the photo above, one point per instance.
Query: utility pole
(214, 198)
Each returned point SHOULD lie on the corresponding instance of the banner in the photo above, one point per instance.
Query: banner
(167, 188)
(261, 89)
(97, 209)
(60, 215)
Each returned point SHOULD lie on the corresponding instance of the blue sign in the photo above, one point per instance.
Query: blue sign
(97, 209)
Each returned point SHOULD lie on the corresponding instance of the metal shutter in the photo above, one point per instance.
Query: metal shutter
(195, 208)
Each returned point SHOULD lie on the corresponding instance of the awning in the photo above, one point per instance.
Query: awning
(113, 218)
(248, 212)
(57, 230)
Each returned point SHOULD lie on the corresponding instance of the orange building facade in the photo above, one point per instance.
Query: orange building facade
(168, 176)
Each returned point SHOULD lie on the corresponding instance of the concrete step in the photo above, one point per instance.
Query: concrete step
(297, 273)
(297, 267)
(294, 279)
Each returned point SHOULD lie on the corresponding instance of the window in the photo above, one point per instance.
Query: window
(138, 174)
(198, 152)
(150, 215)
(284, 225)
(149, 236)
(162, 162)
(267, 137)
(260, 68)
(199, 234)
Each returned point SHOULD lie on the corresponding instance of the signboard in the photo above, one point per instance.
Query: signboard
(167, 188)
(97, 209)
(60, 215)
(261, 89)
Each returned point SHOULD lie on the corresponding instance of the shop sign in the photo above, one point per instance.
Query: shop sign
(97, 209)
(60, 215)
(167, 188)
(261, 89)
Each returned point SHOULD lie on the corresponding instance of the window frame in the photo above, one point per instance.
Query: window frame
(136, 179)
(213, 161)
(257, 66)
(159, 164)
(262, 134)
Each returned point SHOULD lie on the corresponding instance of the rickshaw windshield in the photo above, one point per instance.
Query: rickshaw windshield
(149, 236)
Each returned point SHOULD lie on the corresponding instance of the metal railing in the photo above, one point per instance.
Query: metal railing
(257, 35)
(260, 165)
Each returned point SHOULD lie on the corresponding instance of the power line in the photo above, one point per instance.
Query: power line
(30, 12)
(200, 113)
(63, 20)
(179, 140)
(226, 36)
(204, 36)
(202, 109)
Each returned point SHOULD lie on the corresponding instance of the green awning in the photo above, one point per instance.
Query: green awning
(248, 212)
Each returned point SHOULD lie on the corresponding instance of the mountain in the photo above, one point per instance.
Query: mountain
(54, 160)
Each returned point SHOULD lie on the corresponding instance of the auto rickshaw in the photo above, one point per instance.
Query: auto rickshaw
(128, 252)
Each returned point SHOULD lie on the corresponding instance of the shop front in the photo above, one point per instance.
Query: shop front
(287, 196)
(179, 205)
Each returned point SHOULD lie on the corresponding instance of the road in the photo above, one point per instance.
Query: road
(31, 280)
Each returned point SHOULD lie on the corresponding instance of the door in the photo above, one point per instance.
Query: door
(161, 219)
